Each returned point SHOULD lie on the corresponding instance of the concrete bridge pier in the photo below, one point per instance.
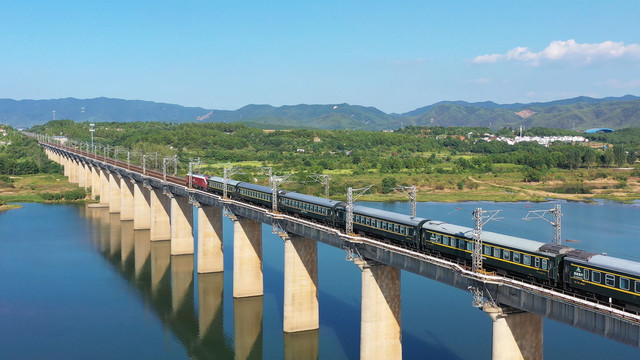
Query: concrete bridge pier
(95, 182)
(66, 165)
(210, 255)
(141, 207)
(114, 193)
(301, 310)
(247, 258)
(516, 334)
(160, 220)
(181, 226)
(126, 199)
(87, 176)
(380, 324)
(73, 171)
(82, 175)
(104, 187)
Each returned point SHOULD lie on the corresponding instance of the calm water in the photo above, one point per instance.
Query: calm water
(77, 283)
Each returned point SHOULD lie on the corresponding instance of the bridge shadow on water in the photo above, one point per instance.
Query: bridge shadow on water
(167, 285)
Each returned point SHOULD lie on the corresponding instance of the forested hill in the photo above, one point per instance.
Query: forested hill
(578, 113)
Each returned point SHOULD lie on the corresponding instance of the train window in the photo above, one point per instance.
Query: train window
(637, 286)
(469, 245)
(445, 240)
(516, 257)
(487, 250)
(544, 264)
(585, 274)
(536, 262)
(506, 254)
(595, 277)
(461, 244)
(609, 280)
(496, 252)
(526, 259)
(438, 238)
(396, 227)
(624, 283)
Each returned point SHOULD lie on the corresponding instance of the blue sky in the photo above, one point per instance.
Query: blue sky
(396, 56)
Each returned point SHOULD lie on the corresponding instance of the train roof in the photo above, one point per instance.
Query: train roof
(387, 215)
(309, 198)
(256, 187)
(488, 236)
(609, 262)
(221, 180)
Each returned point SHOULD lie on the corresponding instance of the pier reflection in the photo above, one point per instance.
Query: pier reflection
(247, 322)
(166, 285)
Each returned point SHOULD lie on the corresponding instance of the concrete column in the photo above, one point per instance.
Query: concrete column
(88, 175)
(516, 334)
(73, 171)
(181, 226)
(141, 207)
(300, 284)
(104, 187)
(141, 250)
(181, 280)
(160, 220)
(126, 199)
(114, 193)
(95, 182)
(210, 288)
(247, 323)
(67, 166)
(380, 329)
(247, 258)
(82, 175)
(210, 256)
(160, 254)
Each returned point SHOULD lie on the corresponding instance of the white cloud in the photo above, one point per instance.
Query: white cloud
(565, 50)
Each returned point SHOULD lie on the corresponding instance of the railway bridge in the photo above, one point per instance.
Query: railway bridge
(164, 205)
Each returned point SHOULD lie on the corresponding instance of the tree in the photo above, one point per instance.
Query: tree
(619, 155)
(388, 183)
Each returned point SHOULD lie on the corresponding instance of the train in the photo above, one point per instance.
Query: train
(595, 276)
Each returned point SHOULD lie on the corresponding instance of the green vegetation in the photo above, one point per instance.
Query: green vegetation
(445, 163)
(27, 175)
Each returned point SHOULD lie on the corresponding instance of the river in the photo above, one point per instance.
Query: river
(73, 286)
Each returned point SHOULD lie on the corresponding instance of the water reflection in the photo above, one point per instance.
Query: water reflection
(247, 321)
(165, 284)
(302, 345)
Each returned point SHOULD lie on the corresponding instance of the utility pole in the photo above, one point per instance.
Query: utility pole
(350, 200)
(476, 257)
(275, 181)
(412, 196)
(191, 163)
(228, 171)
(557, 217)
(324, 180)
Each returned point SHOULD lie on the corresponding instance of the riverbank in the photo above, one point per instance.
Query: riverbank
(41, 188)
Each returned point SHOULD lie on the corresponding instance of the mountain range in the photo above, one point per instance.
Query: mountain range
(576, 113)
